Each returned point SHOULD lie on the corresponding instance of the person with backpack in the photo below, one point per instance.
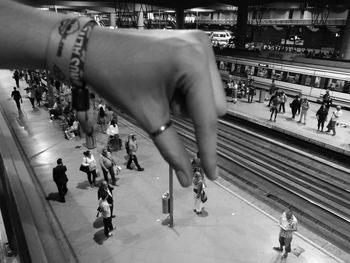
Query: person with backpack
(131, 148)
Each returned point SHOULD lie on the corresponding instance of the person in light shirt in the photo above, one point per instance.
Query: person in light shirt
(288, 224)
(334, 119)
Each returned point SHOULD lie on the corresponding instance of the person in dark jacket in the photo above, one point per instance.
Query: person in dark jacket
(295, 105)
(321, 115)
(16, 77)
(106, 188)
(16, 95)
(61, 179)
(327, 100)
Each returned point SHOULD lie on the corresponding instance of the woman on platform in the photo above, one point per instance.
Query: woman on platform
(89, 161)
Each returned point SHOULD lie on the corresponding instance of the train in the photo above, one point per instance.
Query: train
(295, 78)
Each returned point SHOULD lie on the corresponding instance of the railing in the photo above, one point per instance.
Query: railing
(33, 233)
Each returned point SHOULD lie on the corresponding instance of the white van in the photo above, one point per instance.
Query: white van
(221, 38)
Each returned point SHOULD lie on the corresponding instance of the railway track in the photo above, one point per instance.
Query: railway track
(282, 175)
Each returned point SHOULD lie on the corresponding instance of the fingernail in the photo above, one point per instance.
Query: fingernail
(184, 179)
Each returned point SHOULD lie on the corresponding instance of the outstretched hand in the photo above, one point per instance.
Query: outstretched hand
(149, 74)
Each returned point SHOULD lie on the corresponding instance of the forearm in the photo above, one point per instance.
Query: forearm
(24, 35)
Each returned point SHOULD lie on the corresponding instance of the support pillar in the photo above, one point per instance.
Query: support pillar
(140, 19)
(112, 18)
(242, 18)
(345, 45)
(180, 18)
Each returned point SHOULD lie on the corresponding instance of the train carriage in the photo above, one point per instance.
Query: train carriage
(310, 80)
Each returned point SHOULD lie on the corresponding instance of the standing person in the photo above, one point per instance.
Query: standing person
(327, 100)
(102, 116)
(305, 105)
(16, 95)
(284, 99)
(299, 106)
(274, 106)
(321, 115)
(38, 94)
(61, 179)
(234, 91)
(294, 105)
(89, 161)
(113, 136)
(106, 188)
(251, 92)
(334, 119)
(132, 148)
(32, 97)
(16, 77)
(197, 189)
(105, 210)
(107, 165)
(273, 90)
(109, 115)
(288, 224)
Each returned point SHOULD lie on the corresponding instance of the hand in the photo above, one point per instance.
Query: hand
(149, 74)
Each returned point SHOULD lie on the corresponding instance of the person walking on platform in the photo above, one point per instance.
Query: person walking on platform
(16, 77)
(327, 100)
(131, 148)
(305, 105)
(61, 179)
(274, 106)
(288, 224)
(321, 115)
(106, 188)
(284, 99)
(334, 119)
(89, 161)
(16, 95)
(105, 209)
(295, 105)
(107, 165)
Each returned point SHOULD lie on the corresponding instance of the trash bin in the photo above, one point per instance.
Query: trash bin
(166, 203)
(262, 95)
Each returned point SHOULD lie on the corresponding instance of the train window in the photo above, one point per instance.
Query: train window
(337, 85)
(317, 82)
(346, 87)
(223, 65)
(293, 78)
(276, 74)
(262, 72)
(307, 80)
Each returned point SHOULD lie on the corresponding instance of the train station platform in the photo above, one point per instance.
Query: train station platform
(233, 228)
(259, 113)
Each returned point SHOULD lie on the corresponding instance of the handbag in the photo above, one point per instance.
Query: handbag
(83, 168)
(204, 197)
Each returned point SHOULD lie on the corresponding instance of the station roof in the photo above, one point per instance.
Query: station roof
(187, 4)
